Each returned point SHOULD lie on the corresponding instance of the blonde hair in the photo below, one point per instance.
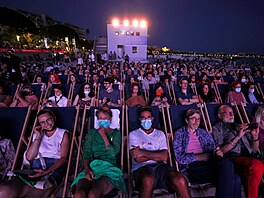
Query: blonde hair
(259, 113)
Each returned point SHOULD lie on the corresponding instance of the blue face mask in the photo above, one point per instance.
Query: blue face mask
(238, 89)
(146, 124)
(104, 123)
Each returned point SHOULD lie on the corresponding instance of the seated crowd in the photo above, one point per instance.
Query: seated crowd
(229, 157)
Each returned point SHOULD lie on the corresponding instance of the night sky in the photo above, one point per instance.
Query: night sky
(229, 26)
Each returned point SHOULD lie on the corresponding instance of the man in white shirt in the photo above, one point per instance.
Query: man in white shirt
(149, 150)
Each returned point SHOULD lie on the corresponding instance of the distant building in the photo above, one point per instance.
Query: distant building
(128, 38)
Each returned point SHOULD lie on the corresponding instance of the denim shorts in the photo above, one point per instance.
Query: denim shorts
(57, 175)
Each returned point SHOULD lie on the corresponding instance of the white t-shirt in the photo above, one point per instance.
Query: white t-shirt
(51, 146)
(154, 141)
(80, 61)
(61, 101)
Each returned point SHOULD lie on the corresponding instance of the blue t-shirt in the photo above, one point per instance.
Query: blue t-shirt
(114, 96)
(183, 96)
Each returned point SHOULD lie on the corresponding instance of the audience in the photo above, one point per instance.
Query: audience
(47, 155)
(206, 95)
(58, 100)
(259, 118)
(240, 144)
(159, 73)
(5, 99)
(201, 160)
(54, 79)
(160, 96)
(85, 96)
(109, 96)
(236, 95)
(149, 150)
(25, 98)
(135, 99)
(251, 94)
(184, 96)
(100, 153)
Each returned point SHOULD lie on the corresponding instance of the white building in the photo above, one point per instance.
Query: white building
(128, 38)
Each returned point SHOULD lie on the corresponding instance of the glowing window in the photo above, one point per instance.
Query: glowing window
(135, 23)
(126, 23)
(115, 22)
(143, 24)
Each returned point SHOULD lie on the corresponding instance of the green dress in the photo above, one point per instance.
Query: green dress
(103, 162)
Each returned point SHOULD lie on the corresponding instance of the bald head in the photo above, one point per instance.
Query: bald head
(226, 114)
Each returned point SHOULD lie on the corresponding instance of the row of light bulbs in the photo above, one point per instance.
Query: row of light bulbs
(135, 23)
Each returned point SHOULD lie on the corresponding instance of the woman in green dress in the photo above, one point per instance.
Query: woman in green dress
(100, 152)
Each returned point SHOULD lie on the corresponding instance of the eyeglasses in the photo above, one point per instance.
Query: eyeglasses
(49, 121)
(195, 119)
(228, 113)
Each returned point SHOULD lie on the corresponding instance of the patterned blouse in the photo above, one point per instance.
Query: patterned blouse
(181, 142)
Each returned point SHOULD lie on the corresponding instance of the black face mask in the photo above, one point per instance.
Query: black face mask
(218, 77)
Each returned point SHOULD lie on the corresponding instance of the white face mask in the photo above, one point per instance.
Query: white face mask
(251, 90)
(86, 92)
(243, 80)
(238, 89)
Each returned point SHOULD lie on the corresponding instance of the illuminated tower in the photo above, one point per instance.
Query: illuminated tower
(128, 38)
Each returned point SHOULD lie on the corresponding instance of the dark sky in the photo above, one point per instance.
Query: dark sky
(229, 26)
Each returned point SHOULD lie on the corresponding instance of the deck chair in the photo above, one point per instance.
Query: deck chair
(12, 90)
(38, 90)
(177, 114)
(81, 78)
(258, 79)
(211, 114)
(132, 123)
(169, 93)
(117, 122)
(63, 79)
(251, 109)
(67, 118)
(128, 89)
(223, 90)
(228, 78)
(15, 132)
(72, 93)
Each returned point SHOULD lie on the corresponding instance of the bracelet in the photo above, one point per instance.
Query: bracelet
(37, 139)
(255, 140)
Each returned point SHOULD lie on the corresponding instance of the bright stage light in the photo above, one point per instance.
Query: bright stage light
(135, 23)
(115, 22)
(143, 24)
(126, 23)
